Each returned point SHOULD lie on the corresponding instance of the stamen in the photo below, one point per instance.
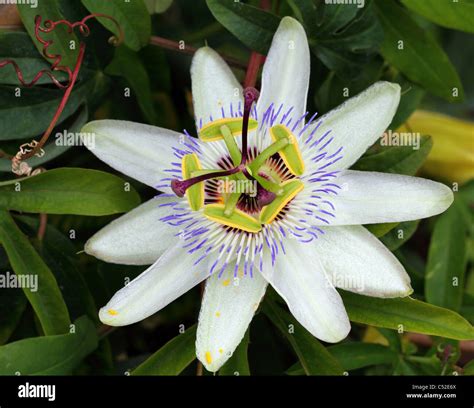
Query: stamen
(290, 153)
(230, 204)
(268, 185)
(195, 194)
(211, 132)
(266, 154)
(291, 189)
(179, 187)
(238, 219)
(231, 145)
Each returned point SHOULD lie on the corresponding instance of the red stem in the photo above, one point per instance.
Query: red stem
(256, 60)
(61, 106)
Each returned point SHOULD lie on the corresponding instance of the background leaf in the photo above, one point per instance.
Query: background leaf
(396, 237)
(447, 13)
(17, 46)
(251, 25)
(30, 114)
(444, 277)
(353, 356)
(47, 300)
(345, 36)
(396, 159)
(409, 314)
(50, 355)
(69, 191)
(127, 64)
(53, 148)
(420, 52)
(12, 305)
(173, 357)
(132, 16)
(314, 357)
(50, 10)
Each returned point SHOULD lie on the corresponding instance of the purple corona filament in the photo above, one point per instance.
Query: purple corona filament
(228, 247)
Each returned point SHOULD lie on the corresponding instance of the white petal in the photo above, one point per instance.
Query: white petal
(370, 197)
(285, 75)
(136, 238)
(214, 86)
(140, 151)
(356, 124)
(301, 281)
(168, 278)
(227, 308)
(357, 261)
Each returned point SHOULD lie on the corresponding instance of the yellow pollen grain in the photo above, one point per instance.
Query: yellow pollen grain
(218, 314)
(112, 312)
(226, 282)
(221, 351)
(208, 357)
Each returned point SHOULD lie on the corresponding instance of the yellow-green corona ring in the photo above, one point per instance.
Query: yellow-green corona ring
(258, 185)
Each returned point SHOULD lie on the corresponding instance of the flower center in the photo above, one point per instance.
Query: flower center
(252, 187)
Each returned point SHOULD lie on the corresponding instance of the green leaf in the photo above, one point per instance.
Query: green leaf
(128, 65)
(12, 305)
(304, 10)
(467, 309)
(158, 6)
(314, 357)
(353, 356)
(336, 89)
(420, 52)
(172, 358)
(69, 191)
(379, 230)
(447, 13)
(396, 237)
(53, 148)
(50, 355)
(238, 364)
(388, 158)
(132, 16)
(405, 368)
(444, 276)
(59, 254)
(468, 369)
(251, 25)
(47, 300)
(345, 37)
(50, 10)
(17, 46)
(408, 314)
(31, 114)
